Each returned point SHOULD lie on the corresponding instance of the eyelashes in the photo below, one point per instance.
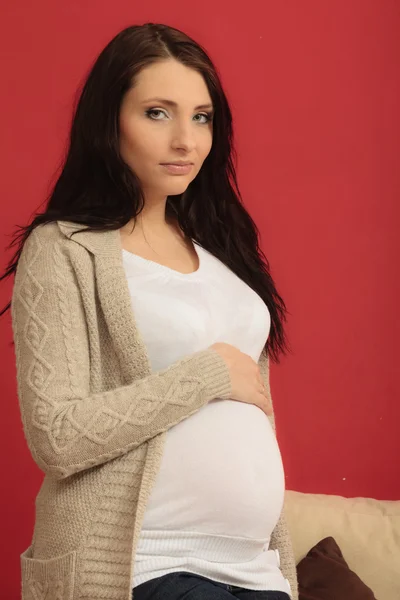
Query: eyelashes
(208, 115)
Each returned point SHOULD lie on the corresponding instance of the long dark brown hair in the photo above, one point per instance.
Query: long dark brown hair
(97, 189)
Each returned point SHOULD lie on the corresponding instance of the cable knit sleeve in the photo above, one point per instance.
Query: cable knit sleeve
(280, 538)
(67, 427)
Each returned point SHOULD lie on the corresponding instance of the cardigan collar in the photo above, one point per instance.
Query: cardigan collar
(114, 296)
(99, 243)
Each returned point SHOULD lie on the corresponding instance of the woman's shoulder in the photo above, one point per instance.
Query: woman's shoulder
(48, 232)
(46, 248)
(56, 234)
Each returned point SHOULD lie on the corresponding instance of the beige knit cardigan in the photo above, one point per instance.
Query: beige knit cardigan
(94, 416)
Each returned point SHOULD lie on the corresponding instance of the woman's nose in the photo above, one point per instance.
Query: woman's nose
(184, 137)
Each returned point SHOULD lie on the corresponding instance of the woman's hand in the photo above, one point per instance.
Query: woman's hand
(247, 383)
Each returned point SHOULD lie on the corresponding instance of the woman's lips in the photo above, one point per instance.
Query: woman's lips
(178, 169)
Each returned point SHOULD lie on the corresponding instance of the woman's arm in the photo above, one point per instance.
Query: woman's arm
(280, 538)
(68, 428)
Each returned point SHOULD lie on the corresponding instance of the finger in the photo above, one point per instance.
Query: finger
(265, 405)
(268, 403)
(270, 410)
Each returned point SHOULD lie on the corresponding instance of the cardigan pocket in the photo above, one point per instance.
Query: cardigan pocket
(50, 579)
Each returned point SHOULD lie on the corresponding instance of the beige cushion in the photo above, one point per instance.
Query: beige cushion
(366, 530)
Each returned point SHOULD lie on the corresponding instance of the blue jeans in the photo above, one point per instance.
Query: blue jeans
(189, 586)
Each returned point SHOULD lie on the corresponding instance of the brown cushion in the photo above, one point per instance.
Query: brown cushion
(325, 575)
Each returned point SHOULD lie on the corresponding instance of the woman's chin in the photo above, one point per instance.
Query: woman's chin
(173, 189)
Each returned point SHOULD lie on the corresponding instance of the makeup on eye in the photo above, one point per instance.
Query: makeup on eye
(150, 111)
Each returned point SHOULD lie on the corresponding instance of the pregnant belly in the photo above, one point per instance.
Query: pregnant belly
(221, 473)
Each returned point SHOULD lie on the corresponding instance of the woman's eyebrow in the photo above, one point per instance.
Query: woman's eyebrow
(174, 104)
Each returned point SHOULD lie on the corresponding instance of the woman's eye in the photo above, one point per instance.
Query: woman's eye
(207, 117)
(151, 111)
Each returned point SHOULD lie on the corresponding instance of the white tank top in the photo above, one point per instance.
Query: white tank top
(220, 487)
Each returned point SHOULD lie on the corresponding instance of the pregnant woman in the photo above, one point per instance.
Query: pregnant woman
(144, 316)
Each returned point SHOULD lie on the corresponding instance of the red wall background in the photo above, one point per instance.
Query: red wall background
(315, 91)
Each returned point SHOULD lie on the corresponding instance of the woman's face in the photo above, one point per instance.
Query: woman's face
(153, 132)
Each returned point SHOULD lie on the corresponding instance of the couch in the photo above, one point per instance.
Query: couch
(366, 530)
